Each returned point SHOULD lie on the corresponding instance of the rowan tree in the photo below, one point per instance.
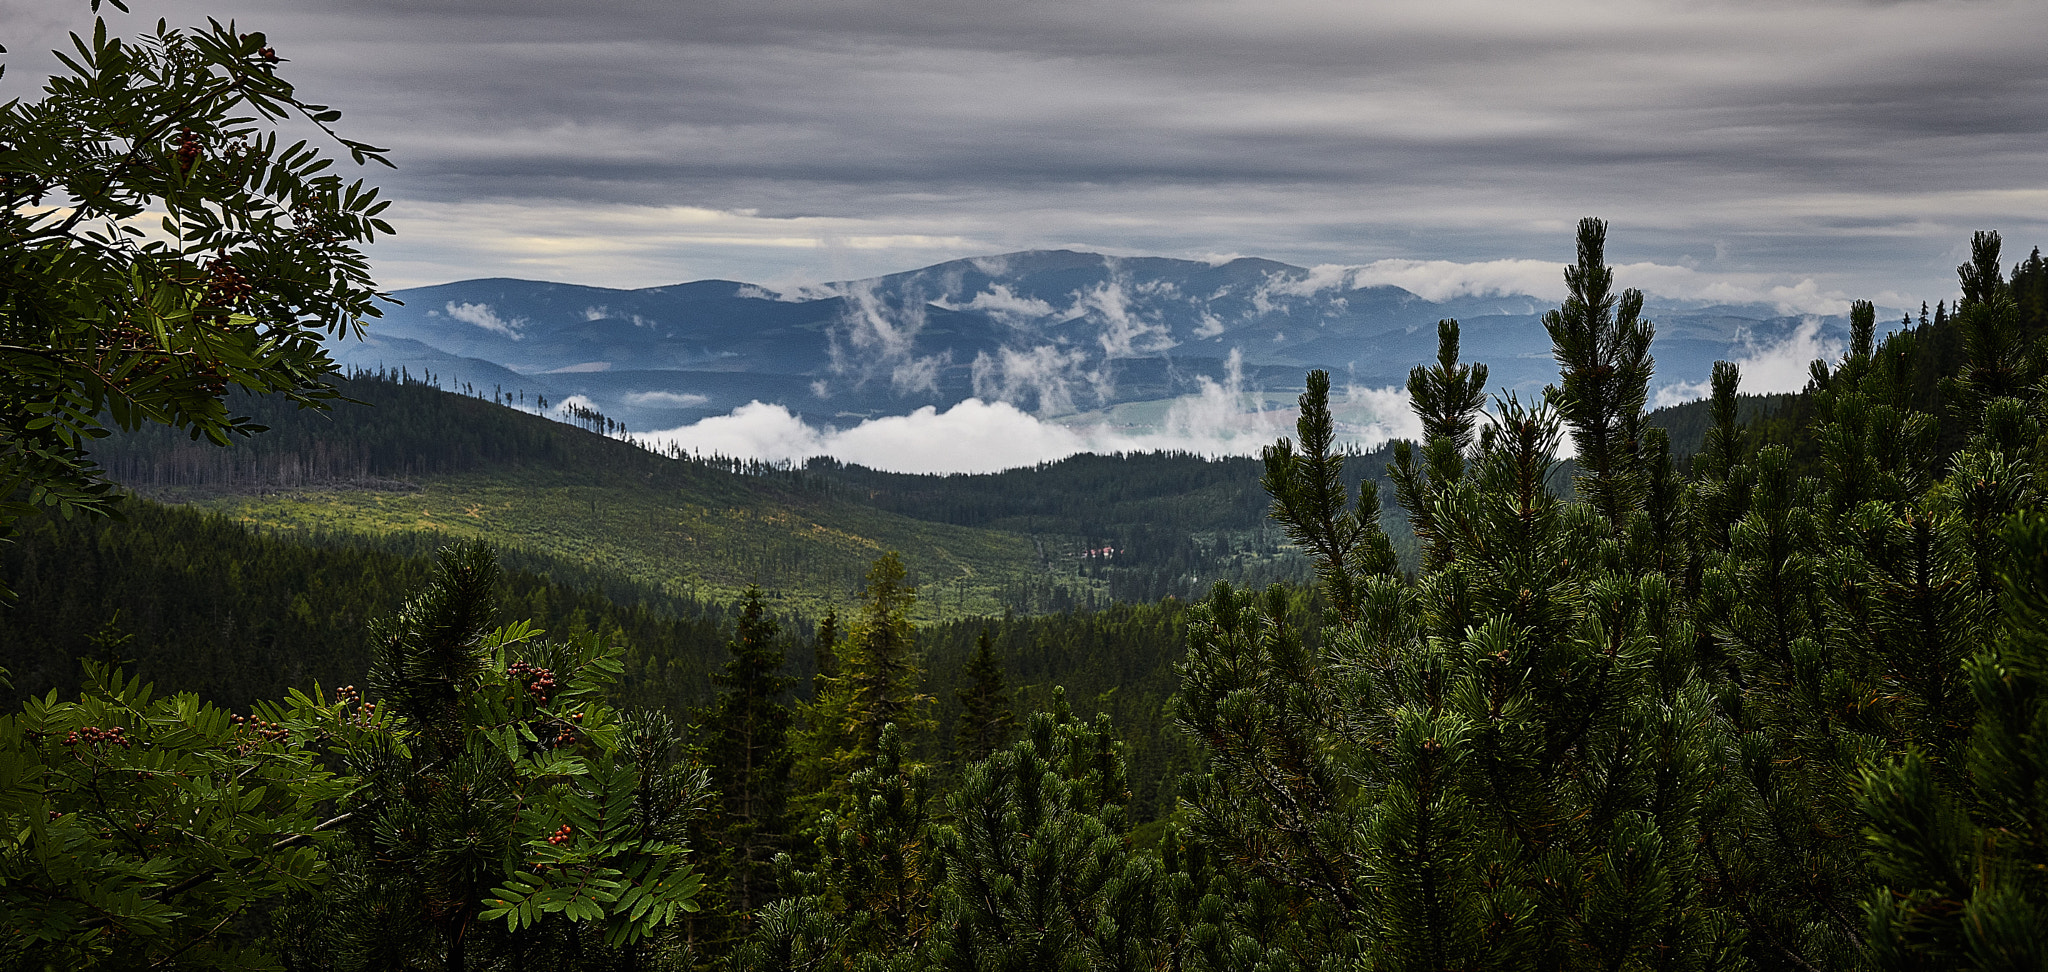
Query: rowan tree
(114, 316)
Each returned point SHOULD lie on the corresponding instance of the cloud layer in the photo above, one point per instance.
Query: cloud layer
(976, 436)
(628, 143)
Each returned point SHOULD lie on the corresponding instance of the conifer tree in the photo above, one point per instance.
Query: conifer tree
(1308, 493)
(1963, 872)
(877, 685)
(1997, 363)
(498, 786)
(1603, 351)
(749, 752)
(1721, 493)
(825, 653)
(1508, 763)
(986, 720)
(868, 906)
(1037, 872)
(1447, 398)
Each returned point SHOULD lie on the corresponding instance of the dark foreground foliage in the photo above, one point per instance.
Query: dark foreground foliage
(1784, 708)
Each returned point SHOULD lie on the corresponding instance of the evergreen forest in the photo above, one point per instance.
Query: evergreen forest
(1755, 683)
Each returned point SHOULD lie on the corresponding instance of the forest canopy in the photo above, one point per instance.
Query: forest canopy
(1783, 705)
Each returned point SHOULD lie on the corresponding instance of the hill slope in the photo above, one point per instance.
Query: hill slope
(412, 460)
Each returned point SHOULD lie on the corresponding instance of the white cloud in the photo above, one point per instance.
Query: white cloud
(1271, 295)
(1372, 416)
(919, 374)
(1124, 332)
(998, 302)
(601, 312)
(752, 431)
(1770, 367)
(560, 410)
(484, 317)
(1221, 418)
(1445, 279)
(665, 399)
(874, 338)
(1046, 374)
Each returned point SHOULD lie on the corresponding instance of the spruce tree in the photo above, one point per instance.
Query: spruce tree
(825, 653)
(986, 720)
(877, 685)
(748, 747)
(869, 904)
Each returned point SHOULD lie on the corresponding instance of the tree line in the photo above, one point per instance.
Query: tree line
(1780, 706)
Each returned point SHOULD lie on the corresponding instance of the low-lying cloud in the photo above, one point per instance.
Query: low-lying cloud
(1441, 280)
(484, 317)
(977, 436)
(1768, 367)
(665, 399)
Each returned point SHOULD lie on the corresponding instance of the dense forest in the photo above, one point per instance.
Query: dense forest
(1758, 683)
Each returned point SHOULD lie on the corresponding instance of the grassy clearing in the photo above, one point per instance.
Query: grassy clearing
(810, 553)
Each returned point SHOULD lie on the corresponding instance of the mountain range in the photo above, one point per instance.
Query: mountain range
(1065, 335)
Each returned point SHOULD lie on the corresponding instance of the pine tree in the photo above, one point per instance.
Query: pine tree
(749, 751)
(1963, 872)
(1037, 872)
(986, 720)
(1509, 762)
(1308, 493)
(1603, 352)
(1447, 398)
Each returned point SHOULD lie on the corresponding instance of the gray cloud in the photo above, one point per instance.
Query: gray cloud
(635, 142)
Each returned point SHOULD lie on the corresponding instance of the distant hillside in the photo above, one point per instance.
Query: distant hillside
(1155, 524)
(200, 603)
(412, 465)
(412, 459)
(1052, 332)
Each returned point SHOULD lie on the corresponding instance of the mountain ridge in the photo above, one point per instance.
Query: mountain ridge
(1053, 332)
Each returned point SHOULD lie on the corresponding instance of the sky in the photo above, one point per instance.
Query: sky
(1840, 149)
(1800, 153)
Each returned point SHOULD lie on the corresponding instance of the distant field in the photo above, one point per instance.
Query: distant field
(811, 556)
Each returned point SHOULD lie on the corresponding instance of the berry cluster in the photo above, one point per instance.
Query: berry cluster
(560, 836)
(94, 736)
(266, 731)
(188, 149)
(126, 339)
(346, 698)
(267, 55)
(207, 377)
(225, 285)
(539, 682)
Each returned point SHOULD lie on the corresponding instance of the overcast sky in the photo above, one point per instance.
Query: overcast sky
(1846, 148)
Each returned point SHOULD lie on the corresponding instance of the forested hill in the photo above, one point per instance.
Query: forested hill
(201, 604)
(405, 458)
(412, 460)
